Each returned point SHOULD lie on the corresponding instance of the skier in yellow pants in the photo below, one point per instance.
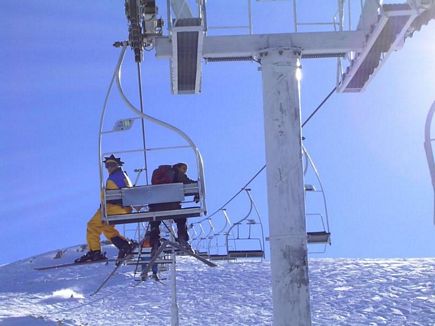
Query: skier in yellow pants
(117, 179)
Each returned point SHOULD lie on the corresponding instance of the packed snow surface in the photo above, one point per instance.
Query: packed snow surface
(343, 292)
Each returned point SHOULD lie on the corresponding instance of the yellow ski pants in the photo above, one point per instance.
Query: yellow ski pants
(96, 226)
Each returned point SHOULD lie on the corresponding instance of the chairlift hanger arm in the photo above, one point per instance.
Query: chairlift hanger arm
(251, 206)
(227, 222)
(429, 149)
(211, 229)
(146, 116)
(198, 156)
(103, 113)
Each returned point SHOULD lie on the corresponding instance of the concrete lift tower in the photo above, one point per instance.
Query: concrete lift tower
(382, 28)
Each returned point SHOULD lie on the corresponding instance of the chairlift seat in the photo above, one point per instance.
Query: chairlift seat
(245, 253)
(309, 187)
(319, 237)
(220, 257)
(202, 253)
(316, 237)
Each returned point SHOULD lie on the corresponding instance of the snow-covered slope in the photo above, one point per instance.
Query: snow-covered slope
(343, 291)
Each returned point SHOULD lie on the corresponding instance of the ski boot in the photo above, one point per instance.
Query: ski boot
(91, 255)
(155, 277)
(125, 247)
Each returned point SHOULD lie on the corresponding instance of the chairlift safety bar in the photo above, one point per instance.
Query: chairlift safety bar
(154, 216)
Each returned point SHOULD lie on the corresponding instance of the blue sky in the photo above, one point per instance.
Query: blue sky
(56, 63)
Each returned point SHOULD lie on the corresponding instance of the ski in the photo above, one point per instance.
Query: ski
(153, 277)
(118, 264)
(44, 268)
(157, 279)
(202, 259)
(108, 277)
(167, 243)
(191, 253)
(153, 259)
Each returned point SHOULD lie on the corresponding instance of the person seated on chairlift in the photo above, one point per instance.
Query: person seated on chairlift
(117, 179)
(170, 174)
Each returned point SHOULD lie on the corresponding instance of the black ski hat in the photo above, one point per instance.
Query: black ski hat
(113, 159)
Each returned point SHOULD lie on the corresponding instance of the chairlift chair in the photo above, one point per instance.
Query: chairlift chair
(140, 196)
(193, 232)
(321, 235)
(217, 248)
(197, 242)
(240, 241)
(201, 244)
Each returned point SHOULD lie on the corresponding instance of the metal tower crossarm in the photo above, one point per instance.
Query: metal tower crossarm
(312, 44)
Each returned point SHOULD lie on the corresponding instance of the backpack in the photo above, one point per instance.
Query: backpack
(163, 174)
